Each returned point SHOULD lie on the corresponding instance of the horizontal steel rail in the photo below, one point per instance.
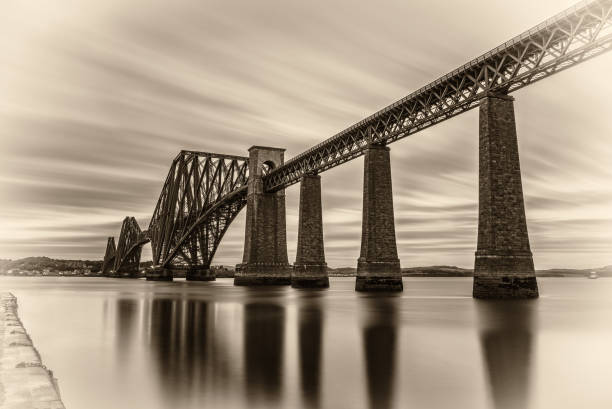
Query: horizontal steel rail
(211, 155)
(563, 41)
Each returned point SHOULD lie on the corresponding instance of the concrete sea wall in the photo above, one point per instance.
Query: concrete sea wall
(24, 381)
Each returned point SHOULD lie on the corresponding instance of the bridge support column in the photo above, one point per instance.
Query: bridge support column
(265, 259)
(378, 267)
(159, 274)
(310, 269)
(504, 265)
(200, 274)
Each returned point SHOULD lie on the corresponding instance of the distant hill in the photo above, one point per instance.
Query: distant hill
(46, 263)
(565, 272)
(3, 263)
(56, 265)
(437, 271)
(430, 271)
(453, 271)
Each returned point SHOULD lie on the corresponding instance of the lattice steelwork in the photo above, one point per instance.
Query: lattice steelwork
(131, 240)
(109, 256)
(575, 35)
(202, 195)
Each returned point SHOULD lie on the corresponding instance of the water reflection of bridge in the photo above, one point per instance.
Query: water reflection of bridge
(212, 353)
(204, 191)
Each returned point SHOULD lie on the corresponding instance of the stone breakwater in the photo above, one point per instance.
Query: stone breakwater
(25, 383)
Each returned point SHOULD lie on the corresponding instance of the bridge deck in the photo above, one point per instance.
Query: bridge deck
(572, 36)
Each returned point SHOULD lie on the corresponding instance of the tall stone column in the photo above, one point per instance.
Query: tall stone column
(504, 264)
(265, 246)
(310, 269)
(378, 267)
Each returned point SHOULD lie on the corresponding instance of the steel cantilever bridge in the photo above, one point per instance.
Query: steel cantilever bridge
(204, 192)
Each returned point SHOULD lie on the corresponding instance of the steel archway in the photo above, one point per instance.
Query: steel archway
(131, 240)
(203, 237)
(109, 256)
(201, 196)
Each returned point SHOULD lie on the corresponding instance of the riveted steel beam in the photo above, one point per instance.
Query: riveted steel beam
(561, 42)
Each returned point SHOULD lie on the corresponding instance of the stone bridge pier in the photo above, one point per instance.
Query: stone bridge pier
(265, 259)
(378, 267)
(504, 265)
(310, 269)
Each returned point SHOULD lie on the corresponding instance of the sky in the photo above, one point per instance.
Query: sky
(98, 97)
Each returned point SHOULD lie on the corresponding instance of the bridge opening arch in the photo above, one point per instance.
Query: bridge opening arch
(146, 256)
(231, 244)
(131, 263)
(267, 167)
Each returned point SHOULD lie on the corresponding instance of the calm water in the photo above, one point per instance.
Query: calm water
(134, 344)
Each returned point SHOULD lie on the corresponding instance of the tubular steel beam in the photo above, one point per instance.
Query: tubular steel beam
(109, 256)
(197, 203)
(131, 240)
(563, 41)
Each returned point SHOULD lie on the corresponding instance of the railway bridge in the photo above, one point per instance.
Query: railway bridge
(204, 192)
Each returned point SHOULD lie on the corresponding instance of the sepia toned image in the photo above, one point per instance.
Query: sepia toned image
(311, 205)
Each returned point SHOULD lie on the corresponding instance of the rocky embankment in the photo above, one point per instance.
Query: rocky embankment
(24, 381)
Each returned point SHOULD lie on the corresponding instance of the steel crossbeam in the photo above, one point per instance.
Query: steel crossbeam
(563, 41)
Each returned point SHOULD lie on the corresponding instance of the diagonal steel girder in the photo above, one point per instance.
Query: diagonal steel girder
(109, 256)
(131, 240)
(196, 206)
(563, 41)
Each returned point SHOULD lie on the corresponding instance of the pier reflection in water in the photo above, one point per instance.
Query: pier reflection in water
(264, 331)
(189, 346)
(506, 336)
(189, 349)
(128, 344)
(380, 341)
(310, 338)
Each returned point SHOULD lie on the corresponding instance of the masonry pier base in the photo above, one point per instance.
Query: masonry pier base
(378, 267)
(503, 266)
(265, 259)
(310, 269)
(159, 274)
(264, 274)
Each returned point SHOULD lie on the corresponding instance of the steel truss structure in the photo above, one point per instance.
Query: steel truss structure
(201, 196)
(204, 192)
(569, 38)
(131, 240)
(109, 256)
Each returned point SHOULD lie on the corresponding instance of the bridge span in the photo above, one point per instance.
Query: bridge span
(204, 192)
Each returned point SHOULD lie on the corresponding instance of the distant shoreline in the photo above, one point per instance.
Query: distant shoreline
(48, 267)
